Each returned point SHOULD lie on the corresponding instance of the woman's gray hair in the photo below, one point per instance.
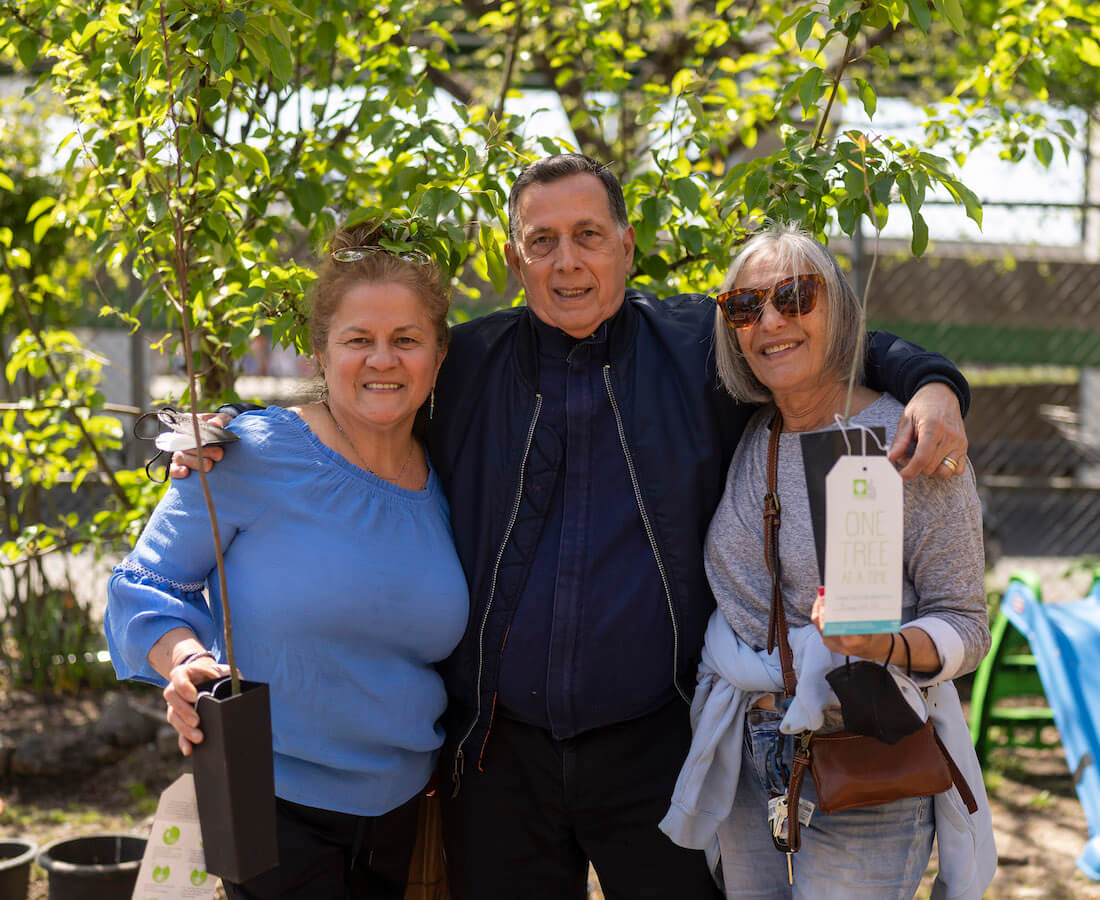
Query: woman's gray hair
(795, 253)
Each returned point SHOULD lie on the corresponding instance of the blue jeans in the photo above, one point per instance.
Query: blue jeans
(877, 853)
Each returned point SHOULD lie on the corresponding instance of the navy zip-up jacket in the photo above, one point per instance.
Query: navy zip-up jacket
(677, 429)
(591, 640)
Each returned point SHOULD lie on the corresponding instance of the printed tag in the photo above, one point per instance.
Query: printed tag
(173, 867)
(863, 543)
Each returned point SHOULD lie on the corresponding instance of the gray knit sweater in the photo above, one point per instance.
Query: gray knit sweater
(943, 581)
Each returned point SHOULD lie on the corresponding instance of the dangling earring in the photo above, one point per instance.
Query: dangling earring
(431, 405)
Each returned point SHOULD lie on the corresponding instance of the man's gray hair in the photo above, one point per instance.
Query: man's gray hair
(565, 165)
(795, 252)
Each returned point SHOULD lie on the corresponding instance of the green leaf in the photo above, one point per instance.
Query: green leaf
(498, 269)
(224, 43)
(920, 234)
(952, 11)
(257, 49)
(867, 97)
(429, 204)
(787, 22)
(308, 198)
(44, 224)
(1090, 51)
(282, 63)
(326, 34)
(809, 90)
(688, 193)
(1044, 151)
(257, 158)
(805, 29)
(972, 204)
(919, 14)
(209, 97)
(645, 225)
(217, 223)
(6, 184)
(756, 186)
(281, 32)
(846, 213)
(27, 49)
(38, 207)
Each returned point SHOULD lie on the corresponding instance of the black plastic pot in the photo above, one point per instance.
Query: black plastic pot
(94, 867)
(235, 780)
(16, 856)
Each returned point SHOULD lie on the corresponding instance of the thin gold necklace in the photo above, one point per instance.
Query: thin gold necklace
(363, 462)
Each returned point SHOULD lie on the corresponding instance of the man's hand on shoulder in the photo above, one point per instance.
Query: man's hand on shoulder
(184, 461)
(932, 420)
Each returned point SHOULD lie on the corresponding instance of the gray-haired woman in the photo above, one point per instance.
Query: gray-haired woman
(787, 332)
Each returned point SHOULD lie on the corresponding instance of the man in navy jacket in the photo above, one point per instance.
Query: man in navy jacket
(583, 441)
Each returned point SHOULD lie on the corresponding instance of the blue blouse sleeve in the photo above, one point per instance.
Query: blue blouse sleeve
(160, 585)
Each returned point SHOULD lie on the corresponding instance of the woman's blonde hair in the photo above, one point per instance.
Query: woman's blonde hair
(794, 252)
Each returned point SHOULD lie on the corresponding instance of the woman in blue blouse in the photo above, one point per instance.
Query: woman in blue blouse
(344, 584)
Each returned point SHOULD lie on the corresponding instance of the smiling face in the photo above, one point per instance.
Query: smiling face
(382, 355)
(569, 253)
(787, 355)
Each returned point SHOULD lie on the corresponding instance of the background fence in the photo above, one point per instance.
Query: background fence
(1024, 323)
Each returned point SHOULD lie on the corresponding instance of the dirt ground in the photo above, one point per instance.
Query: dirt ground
(1040, 825)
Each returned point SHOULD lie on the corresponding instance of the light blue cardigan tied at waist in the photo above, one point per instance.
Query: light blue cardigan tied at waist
(732, 676)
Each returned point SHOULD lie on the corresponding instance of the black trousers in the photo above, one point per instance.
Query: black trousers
(326, 855)
(528, 825)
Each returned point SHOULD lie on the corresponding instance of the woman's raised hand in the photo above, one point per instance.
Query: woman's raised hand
(865, 646)
(184, 461)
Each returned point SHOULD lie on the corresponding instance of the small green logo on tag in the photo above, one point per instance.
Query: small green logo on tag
(859, 487)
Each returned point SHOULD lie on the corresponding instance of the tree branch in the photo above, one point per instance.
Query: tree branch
(832, 95)
(509, 65)
(463, 92)
(180, 258)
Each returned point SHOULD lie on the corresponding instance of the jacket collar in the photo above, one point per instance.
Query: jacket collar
(621, 329)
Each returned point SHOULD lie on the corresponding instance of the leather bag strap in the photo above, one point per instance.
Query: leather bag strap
(799, 765)
(957, 778)
(777, 633)
(777, 621)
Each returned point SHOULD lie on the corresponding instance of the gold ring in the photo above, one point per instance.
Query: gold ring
(951, 463)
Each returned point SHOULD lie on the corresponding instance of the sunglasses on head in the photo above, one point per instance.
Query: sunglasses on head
(354, 254)
(794, 296)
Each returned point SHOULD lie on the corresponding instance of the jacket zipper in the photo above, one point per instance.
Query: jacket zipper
(459, 759)
(649, 533)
